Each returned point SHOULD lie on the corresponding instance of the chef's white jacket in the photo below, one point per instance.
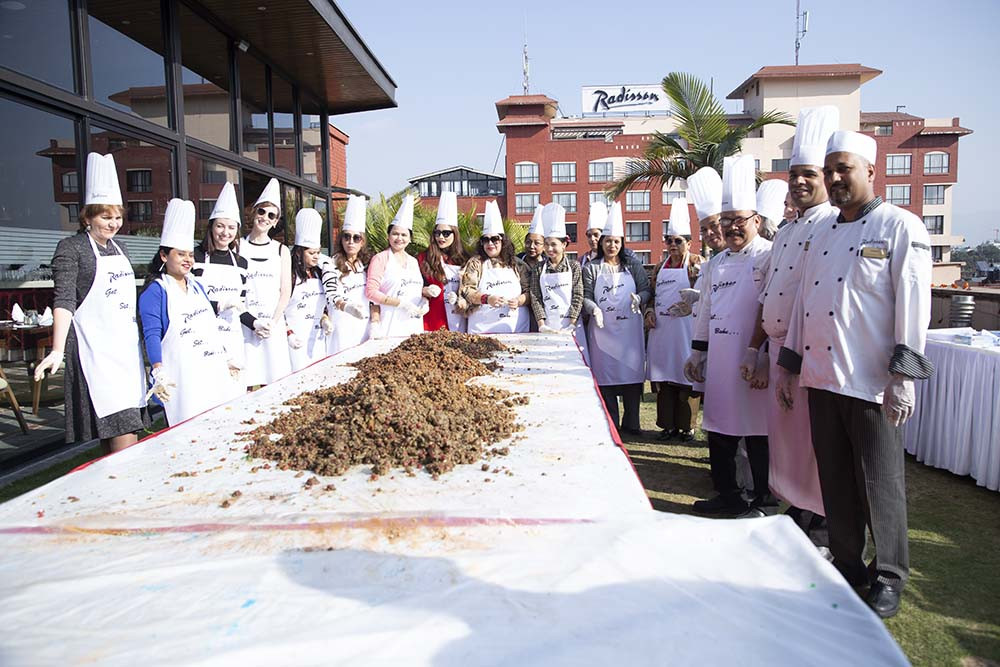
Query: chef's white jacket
(864, 303)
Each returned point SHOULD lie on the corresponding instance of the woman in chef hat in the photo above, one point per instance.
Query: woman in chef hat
(219, 268)
(495, 283)
(394, 280)
(344, 279)
(305, 315)
(94, 327)
(440, 265)
(192, 371)
(269, 286)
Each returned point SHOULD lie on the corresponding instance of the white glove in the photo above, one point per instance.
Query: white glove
(162, 384)
(679, 309)
(294, 341)
(326, 325)
(424, 307)
(410, 309)
(785, 388)
(568, 331)
(262, 328)
(598, 316)
(51, 363)
(898, 399)
(433, 291)
(694, 367)
(232, 303)
(354, 311)
(451, 298)
(749, 363)
(545, 328)
(375, 331)
(234, 370)
(761, 371)
(635, 304)
(690, 296)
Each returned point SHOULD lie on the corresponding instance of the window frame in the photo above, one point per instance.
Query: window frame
(895, 201)
(930, 170)
(522, 180)
(905, 170)
(643, 237)
(934, 201)
(591, 169)
(935, 229)
(564, 179)
(519, 210)
(631, 208)
(571, 208)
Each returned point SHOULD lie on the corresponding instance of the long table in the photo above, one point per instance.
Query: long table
(956, 424)
(562, 562)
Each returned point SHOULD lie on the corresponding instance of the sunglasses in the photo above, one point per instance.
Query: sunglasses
(352, 238)
(443, 233)
(726, 223)
(271, 215)
(492, 239)
(674, 241)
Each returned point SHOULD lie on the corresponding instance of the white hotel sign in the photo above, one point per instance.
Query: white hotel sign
(622, 99)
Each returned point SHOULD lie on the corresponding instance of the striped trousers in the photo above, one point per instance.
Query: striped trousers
(859, 455)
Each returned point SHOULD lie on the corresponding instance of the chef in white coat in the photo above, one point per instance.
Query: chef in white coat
(793, 476)
(557, 283)
(269, 286)
(192, 371)
(395, 282)
(597, 217)
(727, 317)
(344, 278)
(305, 314)
(856, 341)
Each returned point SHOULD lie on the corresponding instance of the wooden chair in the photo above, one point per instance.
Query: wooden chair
(5, 388)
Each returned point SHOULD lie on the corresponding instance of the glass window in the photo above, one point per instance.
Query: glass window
(205, 75)
(898, 195)
(318, 202)
(291, 203)
(35, 40)
(39, 152)
(139, 180)
(571, 231)
(565, 199)
(637, 200)
(643, 256)
(670, 195)
(428, 188)
(934, 224)
(205, 208)
(600, 196)
(139, 211)
(284, 124)
(933, 194)
(205, 181)
(601, 172)
(127, 58)
(936, 163)
(897, 165)
(637, 231)
(563, 172)
(937, 253)
(70, 183)
(883, 130)
(312, 145)
(524, 204)
(526, 172)
(253, 109)
(572, 254)
(779, 165)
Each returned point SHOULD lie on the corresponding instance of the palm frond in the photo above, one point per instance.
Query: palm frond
(701, 117)
(770, 118)
(657, 172)
(663, 146)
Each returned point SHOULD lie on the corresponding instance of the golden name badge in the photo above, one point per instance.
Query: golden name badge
(874, 253)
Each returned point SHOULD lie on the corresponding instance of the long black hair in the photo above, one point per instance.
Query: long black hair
(299, 271)
(156, 267)
(600, 248)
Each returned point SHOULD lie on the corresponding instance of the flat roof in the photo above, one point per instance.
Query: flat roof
(806, 72)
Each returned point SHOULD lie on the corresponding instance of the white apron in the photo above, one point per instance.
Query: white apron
(302, 315)
(557, 297)
(348, 330)
(500, 281)
(617, 351)
(731, 407)
(266, 358)
(405, 285)
(793, 475)
(194, 354)
(669, 343)
(223, 282)
(108, 336)
(456, 320)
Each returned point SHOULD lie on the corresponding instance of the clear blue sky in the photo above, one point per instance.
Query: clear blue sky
(453, 60)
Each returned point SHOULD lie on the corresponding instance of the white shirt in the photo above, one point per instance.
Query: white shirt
(865, 290)
(757, 251)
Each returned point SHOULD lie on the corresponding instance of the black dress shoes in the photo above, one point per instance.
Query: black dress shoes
(721, 505)
(883, 598)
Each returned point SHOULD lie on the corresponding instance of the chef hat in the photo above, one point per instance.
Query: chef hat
(739, 184)
(614, 225)
(354, 215)
(680, 218)
(226, 205)
(308, 227)
(447, 210)
(271, 194)
(536, 222)
(178, 225)
(102, 180)
(705, 188)
(598, 215)
(554, 221)
(771, 199)
(404, 216)
(813, 130)
(492, 220)
(853, 142)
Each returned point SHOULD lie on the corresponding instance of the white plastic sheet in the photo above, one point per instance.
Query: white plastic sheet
(562, 563)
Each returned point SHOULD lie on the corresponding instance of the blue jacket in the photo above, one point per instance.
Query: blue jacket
(154, 318)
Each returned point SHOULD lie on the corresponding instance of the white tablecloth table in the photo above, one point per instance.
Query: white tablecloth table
(957, 421)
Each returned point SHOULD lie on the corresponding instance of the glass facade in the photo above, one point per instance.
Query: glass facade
(205, 75)
(254, 128)
(49, 59)
(285, 143)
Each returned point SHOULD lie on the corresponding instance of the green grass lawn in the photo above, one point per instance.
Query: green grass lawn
(951, 607)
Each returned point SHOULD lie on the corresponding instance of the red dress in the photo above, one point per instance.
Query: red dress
(436, 318)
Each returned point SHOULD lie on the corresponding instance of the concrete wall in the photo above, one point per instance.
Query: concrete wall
(985, 316)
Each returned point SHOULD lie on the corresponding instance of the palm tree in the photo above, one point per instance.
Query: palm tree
(706, 137)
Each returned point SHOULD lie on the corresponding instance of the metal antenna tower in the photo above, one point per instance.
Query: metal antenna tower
(524, 59)
(801, 28)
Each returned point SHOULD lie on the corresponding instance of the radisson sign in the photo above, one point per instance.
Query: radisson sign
(624, 99)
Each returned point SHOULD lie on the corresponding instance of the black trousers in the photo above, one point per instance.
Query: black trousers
(722, 458)
(675, 407)
(631, 395)
(859, 455)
